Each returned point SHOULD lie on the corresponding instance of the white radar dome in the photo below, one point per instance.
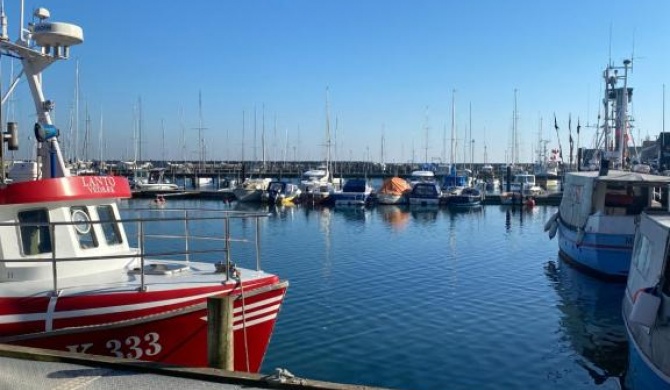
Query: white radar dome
(57, 34)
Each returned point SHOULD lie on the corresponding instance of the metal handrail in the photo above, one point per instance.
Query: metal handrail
(187, 217)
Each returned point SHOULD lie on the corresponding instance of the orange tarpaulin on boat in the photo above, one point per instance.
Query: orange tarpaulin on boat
(395, 185)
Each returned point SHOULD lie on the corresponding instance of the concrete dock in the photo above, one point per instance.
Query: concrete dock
(23, 368)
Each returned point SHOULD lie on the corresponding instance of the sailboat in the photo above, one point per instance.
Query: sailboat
(316, 185)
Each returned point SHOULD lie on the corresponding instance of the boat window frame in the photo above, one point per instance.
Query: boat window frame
(115, 238)
(28, 231)
(640, 262)
(87, 238)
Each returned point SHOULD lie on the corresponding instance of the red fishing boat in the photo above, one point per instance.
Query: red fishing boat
(76, 275)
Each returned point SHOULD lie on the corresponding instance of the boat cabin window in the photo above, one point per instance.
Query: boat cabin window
(426, 190)
(35, 234)
(154, 176)
(641, 253)
(83, 227)
(631, 199)
(110, 227)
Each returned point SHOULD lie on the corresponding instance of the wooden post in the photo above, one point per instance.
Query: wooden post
(220, 346)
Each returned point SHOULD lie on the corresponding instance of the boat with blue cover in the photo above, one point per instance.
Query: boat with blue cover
(425, 194)
(356, 192)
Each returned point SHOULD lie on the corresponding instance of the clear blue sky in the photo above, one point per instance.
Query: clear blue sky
(389, 65)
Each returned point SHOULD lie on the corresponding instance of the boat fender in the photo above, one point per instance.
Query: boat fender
(552, 230)
(550, 222)
(646, 305)
(580, 236)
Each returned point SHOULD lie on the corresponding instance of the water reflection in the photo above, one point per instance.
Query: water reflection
(352, 214)
(424, 214)
(395, 216)
(591, 321)
(283, 211)
(464, 212)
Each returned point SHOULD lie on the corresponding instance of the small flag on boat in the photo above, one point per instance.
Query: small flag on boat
(570, 136)
(560, 148)
(578, 126)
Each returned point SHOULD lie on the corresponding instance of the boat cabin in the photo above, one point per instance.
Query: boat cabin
(65, 218)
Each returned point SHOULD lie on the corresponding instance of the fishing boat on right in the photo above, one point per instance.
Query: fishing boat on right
(646, 303)
(596, 218)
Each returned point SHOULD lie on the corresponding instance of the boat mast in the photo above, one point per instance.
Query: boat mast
(453, 128)
(470, 135)
(52, 42)
(201, 143)
(617, 100)
(328, 136)
(263, 135)
(243, 128)
(163, 140)
(100, 140)
(427, 129)
(382, 146)
(622, 117)
(515, 135)
(139, 129)
(76, 111)
(183, 134)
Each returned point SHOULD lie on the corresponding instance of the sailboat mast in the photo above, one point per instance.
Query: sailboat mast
(427, 130)
(87, 135)
(382, 146)
(183, 135)
(201, 144)
(327, 134)
(453, 127)
(163, 140)
(470, 135)
(100, 140)
(243, 129)
(263, 135)
(139, 128)
(515, 135)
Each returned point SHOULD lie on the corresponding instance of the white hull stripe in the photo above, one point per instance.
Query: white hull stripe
(256, 313)
(259, 303)
(15, 318)
(239, 318)
(255, 322)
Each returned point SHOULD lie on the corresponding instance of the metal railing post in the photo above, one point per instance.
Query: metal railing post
(141, 237)
(258, 245)
(54, 268)
(227, 237)
(186, 233)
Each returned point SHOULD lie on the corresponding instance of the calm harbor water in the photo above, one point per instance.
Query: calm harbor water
(433, 298)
